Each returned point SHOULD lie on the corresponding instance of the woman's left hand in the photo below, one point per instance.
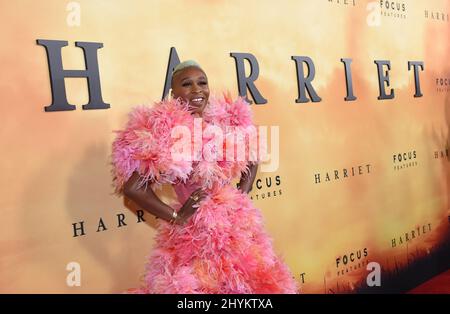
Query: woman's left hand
(247, 179)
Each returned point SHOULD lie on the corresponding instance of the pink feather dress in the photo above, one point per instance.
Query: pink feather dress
(223, 248)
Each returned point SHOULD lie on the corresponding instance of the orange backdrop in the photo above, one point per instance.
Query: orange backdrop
(55, 165)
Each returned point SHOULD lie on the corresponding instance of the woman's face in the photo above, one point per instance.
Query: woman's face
(191, 84)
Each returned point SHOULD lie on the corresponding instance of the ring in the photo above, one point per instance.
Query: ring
(195, 198)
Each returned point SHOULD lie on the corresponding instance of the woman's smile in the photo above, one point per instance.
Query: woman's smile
(197, 102)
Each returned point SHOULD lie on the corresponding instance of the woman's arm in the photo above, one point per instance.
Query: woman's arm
(148, 200)
(247, 179)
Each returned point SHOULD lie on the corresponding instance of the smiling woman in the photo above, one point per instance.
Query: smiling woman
(189, 82)
(212, 240)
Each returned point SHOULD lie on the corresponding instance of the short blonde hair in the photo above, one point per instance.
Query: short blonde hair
(186, 64)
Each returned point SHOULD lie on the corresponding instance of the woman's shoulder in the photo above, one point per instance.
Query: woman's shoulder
(144, 144)
(167, 112)
(224, 110)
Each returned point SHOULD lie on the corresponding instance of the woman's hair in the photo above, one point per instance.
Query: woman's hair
(186, 64)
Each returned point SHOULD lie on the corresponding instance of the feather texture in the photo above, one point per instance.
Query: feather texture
(223, 248)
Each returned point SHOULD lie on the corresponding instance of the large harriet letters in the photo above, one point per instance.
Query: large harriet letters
(246, 82)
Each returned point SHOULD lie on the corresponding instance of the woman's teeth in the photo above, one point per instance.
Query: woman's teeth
(197, 99)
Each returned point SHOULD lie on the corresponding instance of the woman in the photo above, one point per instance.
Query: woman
(213, 239)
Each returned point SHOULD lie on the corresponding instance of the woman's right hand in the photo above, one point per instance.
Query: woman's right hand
(189, 207)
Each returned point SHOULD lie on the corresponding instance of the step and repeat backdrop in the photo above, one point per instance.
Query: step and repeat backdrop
(359, 91)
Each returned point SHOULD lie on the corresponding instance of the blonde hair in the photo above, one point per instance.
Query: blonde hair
(186, 64)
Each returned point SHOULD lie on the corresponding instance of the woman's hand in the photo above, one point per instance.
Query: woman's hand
(247, 179)
(190, 206)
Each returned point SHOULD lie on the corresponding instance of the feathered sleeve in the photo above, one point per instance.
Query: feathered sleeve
(145, 145)
(234, 116)
(228, 112)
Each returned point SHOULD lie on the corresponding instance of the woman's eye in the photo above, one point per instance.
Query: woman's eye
(186, 84)
(203, 83)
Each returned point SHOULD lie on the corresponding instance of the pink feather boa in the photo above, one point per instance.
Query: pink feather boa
(145, 144)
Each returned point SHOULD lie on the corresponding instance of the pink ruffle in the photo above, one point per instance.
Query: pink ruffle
(222, 249)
